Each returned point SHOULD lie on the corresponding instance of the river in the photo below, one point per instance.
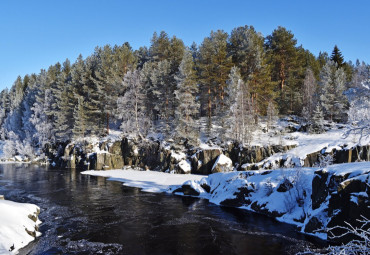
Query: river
(89, 215)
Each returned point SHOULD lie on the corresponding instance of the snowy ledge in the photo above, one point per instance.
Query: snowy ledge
(18, 225)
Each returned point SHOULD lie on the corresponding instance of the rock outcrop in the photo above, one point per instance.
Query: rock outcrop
(345, 198)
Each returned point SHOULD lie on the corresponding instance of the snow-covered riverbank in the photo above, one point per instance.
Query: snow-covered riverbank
(149, 181)
(297, 196)
(18, 225)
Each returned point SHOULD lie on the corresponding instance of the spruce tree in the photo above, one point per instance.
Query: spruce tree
(317, 125)
(332, 86)
(337, 57)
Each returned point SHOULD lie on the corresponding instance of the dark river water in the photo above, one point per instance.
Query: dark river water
(90, 215)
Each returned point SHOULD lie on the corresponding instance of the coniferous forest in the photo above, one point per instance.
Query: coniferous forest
(233, 79)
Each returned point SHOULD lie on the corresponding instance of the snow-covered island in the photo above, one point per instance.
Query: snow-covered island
(19, 225)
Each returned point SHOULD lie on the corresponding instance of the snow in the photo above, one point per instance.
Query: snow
(306, 144)
(185, 166)
(13, 222)
(178, 155)
(148, 181)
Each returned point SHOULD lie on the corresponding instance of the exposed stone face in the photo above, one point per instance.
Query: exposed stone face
(320, 190)
(347, 199)
(203, 160)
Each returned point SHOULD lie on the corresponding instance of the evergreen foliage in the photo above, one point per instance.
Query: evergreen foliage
(336, 56)
(167, 88)
(187, 106)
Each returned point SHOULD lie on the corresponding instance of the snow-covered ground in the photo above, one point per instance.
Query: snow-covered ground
(305, 144)
(262, 184)
(15, 219)
(149, 181)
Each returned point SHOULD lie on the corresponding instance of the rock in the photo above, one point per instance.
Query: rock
(241, 198)
(203, 160)
(206, 187)
(186, 190)
(222, 164)
(313, 224)
(285, 186)
(320, 190)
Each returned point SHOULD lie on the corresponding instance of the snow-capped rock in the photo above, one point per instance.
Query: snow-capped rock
(222, 164)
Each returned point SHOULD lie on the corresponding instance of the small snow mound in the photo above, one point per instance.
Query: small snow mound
(185, 166)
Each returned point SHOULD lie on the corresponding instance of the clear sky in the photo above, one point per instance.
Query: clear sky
(36, 34)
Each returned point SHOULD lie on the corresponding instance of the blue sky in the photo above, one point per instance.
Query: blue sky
(36, 34)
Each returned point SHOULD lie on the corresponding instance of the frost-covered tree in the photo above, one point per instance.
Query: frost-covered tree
(309, 90)
(332, 86)
(241, 108)
(187, 105)
(131, 107)
(317, 125)
(4, 110)
(44, 128)
(359, 110)
(272, 114)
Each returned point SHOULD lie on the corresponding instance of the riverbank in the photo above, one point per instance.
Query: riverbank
(313, 199)
(18, 225)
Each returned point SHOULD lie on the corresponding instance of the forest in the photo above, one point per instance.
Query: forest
(233, 80)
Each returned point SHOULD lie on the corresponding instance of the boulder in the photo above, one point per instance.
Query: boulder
(223, 164)
(187, 190)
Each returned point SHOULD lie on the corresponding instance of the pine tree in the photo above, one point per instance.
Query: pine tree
(246, 49)
(65, 102)
(163, 93)
(81, 119)
(283, 58)
(187, 106)
(214, 67)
